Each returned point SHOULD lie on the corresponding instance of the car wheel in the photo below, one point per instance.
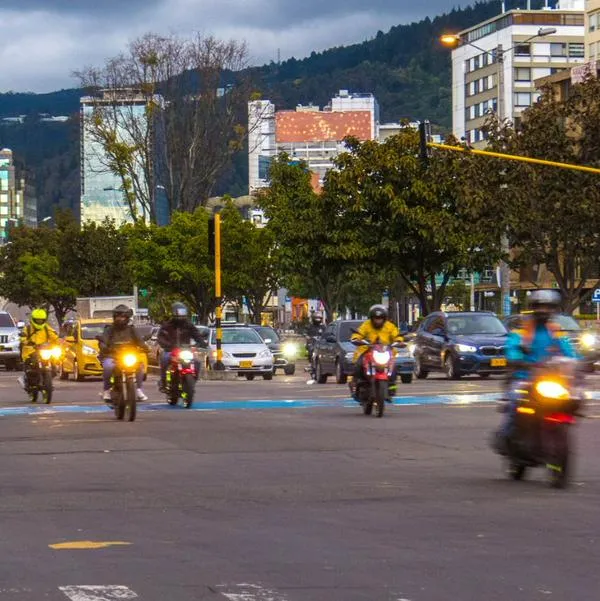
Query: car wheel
(450, 368)
(249, 377)
(420, 373)
(289, 370)
(321, 377)
(406, 378)
(63, 375)
(76, 373)
(340, 376)
(268, 376)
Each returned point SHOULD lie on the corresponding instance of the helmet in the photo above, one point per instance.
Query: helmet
(550, 298)
(378, 312)
(317, 319)
(179, 311)
(39, 318)
(122, 311)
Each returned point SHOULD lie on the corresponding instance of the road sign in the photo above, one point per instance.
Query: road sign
(596, 296)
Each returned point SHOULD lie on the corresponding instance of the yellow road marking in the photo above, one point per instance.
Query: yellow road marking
(87, 544)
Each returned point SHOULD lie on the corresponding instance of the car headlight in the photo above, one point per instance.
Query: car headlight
(290, 349)
(381, 358)
(14, 337)
(588, 340)
(88, 350)
(466, 348)
(411, 346)
(551, 390)
(264, 354)
(349, 355)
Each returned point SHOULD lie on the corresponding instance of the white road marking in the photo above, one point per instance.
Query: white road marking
(250, 592)
(98, 593)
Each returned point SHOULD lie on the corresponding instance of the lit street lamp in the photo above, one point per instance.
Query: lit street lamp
(454, 41)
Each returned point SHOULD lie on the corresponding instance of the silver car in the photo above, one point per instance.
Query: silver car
(243, 351)
(10, 347)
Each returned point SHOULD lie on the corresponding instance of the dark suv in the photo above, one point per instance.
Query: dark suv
(460, 344)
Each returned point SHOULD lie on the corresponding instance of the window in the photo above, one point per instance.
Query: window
(476, 89)
(558, 49)
(522, 74)
(476, 62)
(523, 99)
(484, 84)
(484, 59)
(3, 210)
(594, 22)
(523, 50)
(576, 50)
(477, 110)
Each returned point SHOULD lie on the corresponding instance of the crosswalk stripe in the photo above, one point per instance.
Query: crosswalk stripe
(250, 592)
(98, 593)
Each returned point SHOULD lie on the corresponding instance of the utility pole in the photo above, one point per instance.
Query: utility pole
(218, 295)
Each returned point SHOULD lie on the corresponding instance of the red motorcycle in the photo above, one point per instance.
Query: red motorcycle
(181, 377)
(378, 365)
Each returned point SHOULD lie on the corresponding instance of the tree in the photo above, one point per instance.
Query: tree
(249, 263)
(186, 125)
(411, 215)
(173, 260)
(551, 214)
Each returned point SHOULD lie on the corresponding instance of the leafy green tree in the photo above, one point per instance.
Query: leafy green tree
(173, 260)
(551, 214)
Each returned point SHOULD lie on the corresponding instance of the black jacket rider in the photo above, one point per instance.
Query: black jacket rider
(176, 333)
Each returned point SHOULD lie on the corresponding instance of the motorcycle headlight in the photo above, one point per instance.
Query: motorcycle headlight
(264, 354)
(290, 349)
(551, 390)
(588, 340)
(56, 352)
(186, 356)
(46, 354)
(88, 350)
(381, 357)
(129, 360)
(466, 348)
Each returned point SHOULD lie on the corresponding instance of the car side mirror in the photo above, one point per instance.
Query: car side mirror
(20, 325)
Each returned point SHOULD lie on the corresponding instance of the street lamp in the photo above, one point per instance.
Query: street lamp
(454, 41)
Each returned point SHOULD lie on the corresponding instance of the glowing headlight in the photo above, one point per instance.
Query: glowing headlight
(56, 352)
(411, 346)
(186, 356)
(265, 353)
(129, 360)
(46, 354)
(466, 348)
(551, 390)
(381, 358)
(88, 350)
(588, 340)
(290, 349)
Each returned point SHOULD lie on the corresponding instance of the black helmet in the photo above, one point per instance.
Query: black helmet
(122, 310)
(378, 311)
(317, 319)
(179, 311)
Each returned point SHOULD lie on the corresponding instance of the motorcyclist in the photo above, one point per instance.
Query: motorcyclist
(176, 332)
(376, 328)
(537, 339)
(36, 333)
(314, 330)
(118, 333)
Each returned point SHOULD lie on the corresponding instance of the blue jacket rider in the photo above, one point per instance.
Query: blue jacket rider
(536, 341)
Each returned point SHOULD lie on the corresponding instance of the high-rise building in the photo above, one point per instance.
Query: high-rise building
(497, 62)
(102, 193)
(592, 30)
(307, 133)
(12, 195)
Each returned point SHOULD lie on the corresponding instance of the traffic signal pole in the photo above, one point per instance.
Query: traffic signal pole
(219, 310)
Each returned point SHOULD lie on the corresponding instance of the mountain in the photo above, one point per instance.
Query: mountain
(406, 69)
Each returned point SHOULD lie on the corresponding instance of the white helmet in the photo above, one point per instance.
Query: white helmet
(549, 298)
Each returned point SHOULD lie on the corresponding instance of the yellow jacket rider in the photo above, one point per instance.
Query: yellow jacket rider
(378, 328)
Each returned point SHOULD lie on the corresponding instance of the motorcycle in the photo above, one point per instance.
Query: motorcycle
(378, 364)
(181, 377)
(41, 371)
(123, 382)
(546, 410)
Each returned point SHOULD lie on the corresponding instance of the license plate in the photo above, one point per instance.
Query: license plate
(2, 348)
(245, 364)
(498, 362)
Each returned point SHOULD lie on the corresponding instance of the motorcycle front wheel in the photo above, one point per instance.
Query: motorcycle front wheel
(47, 387)
(187, 390)
(119, 400)
(173, 390)
(381, 395)
(131, 400)
(559, 464)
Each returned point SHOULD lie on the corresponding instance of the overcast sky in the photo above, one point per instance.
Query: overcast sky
(44, 41)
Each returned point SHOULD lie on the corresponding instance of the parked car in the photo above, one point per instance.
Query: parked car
(334, 354)
(244, 351)
(586, 341)
(284, 353)
(80, 358)
(10, 347)
(460, 343)
(155, 350)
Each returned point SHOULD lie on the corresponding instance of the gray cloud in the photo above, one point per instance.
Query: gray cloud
(51, 38)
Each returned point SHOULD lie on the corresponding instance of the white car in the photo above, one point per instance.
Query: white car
(243, 351)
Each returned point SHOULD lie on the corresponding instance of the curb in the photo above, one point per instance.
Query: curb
(222, 376)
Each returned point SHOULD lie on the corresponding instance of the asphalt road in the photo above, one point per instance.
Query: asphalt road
(285, 503)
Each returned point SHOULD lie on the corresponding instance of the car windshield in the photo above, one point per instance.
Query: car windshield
(6, 321)
(567, 323)
(346, 328)
(238, 336)
(266, 332)
(475, 324)
(91, 330)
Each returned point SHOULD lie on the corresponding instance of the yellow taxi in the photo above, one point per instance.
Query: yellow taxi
(80, 358)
